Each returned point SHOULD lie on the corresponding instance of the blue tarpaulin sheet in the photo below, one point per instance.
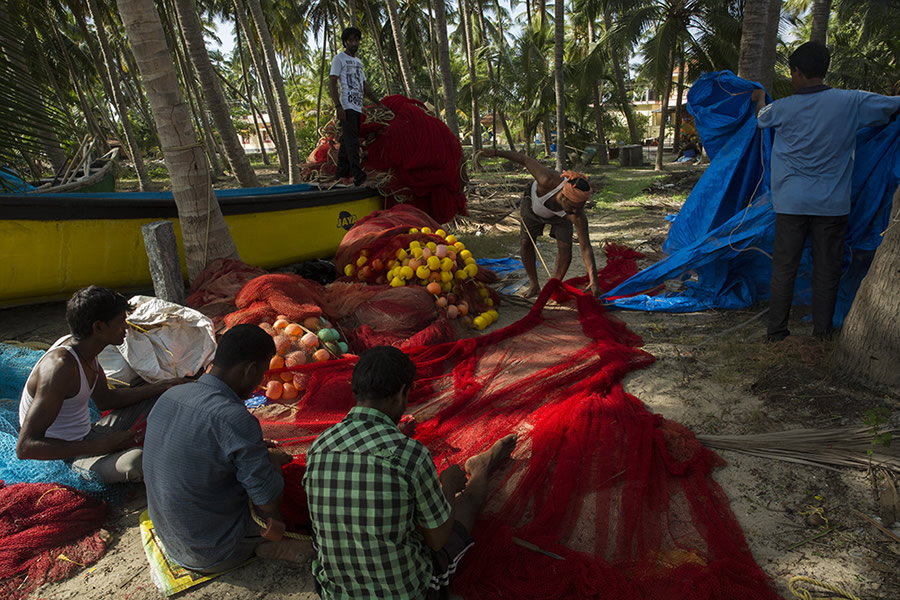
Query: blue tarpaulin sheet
(720, 243)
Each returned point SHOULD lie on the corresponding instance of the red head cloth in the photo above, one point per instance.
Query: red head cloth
(571, 192)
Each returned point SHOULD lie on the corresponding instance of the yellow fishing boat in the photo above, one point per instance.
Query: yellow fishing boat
(53, 244)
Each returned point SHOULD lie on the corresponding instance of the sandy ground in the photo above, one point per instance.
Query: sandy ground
(713, 373)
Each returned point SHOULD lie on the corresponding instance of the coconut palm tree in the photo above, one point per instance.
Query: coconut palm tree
(559, 49)
(820, 15)
(274, 72)
(204, 234)
(405, 70)
(447, 83)
(212, 93)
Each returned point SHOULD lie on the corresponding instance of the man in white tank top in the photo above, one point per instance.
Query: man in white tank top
(53, 412)
(555, 200)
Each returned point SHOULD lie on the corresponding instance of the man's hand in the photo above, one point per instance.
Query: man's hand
(453, 480)
(341, 115)
(279, 458)
(118, 441)
(758, 94)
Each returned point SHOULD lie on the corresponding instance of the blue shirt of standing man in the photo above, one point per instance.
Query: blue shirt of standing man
(812, 167)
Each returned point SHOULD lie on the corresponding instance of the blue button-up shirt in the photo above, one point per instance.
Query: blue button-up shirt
(815, 142)
(204, 456)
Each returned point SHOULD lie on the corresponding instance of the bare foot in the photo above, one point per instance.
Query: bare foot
(291, 550)
(487, 461)
(531, 291)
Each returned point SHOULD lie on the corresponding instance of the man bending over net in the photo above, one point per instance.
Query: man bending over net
(385, 525)
(558, 201)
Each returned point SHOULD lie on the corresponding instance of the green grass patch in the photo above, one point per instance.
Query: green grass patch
(626, 184)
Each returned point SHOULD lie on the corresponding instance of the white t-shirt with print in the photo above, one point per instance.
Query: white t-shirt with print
(349, 71)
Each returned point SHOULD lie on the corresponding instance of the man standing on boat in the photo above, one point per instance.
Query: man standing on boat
(556, 200)
(53, 412)
(347, 69)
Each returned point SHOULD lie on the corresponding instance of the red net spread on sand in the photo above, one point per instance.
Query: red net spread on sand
(624, 496)
(419, 153)
(47, 531)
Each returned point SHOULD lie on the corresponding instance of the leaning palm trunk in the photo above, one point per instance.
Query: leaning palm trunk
(274, 126)
(470, 60)
(447, 85)
(376, 37)
(665, 111)
(204, 234)
(249, 91)
(558, 51)
(402, 58)
(284, 109)
(134, 148)
(602, 150)
(212, 93)
(869, 344)
(676, 138)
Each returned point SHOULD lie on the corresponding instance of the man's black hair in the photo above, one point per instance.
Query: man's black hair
(91, 304)
(243, 343)
(581, 184)
(381, 372)
(349, 31)
(812, 59)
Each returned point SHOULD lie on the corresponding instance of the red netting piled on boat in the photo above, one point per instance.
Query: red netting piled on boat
(417, 154)
(624, 498)
(47, 531)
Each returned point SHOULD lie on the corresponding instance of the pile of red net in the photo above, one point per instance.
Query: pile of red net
(624, 496)
(416, 150)
(47, 531)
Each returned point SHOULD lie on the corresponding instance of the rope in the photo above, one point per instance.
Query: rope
(805, 594)
(288, 534)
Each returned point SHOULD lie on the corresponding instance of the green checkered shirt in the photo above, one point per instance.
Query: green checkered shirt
(369, 486)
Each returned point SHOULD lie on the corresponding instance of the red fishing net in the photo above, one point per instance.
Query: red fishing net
(622, 497)
(418, 155)
(47, 531)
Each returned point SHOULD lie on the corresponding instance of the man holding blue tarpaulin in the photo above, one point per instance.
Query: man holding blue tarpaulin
(812, 164)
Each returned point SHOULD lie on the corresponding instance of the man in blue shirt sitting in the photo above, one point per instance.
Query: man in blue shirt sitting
(812, 165)
(205, 460)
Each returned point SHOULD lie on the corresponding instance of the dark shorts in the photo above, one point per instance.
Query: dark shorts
(446, 560)
(561, 229)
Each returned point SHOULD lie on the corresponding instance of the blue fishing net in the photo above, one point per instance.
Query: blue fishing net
(16, 363)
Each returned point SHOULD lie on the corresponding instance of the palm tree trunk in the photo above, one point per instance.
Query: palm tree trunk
(432, 69)
(619, 77)
(274, 126)
(321, 74)
(204, 234)
(869, 343)
(465, 14)
(249, 91)
(676, 142)
(193, 94)
(821, 11)
(354, 20)
(284, 109)
(376, 37)
(490, 69)
(602, 150)
(405, 71)
(545, 123)
(558, 52)
(528, 14)
(664, 116)
(192, 31)
(447, 84)
(753, 40)
(132, 71)
(770, 46)
(134, 148)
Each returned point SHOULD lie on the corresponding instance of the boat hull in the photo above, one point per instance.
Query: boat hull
(52, 245)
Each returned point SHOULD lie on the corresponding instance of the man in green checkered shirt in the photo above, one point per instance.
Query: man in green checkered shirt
(385, 525)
